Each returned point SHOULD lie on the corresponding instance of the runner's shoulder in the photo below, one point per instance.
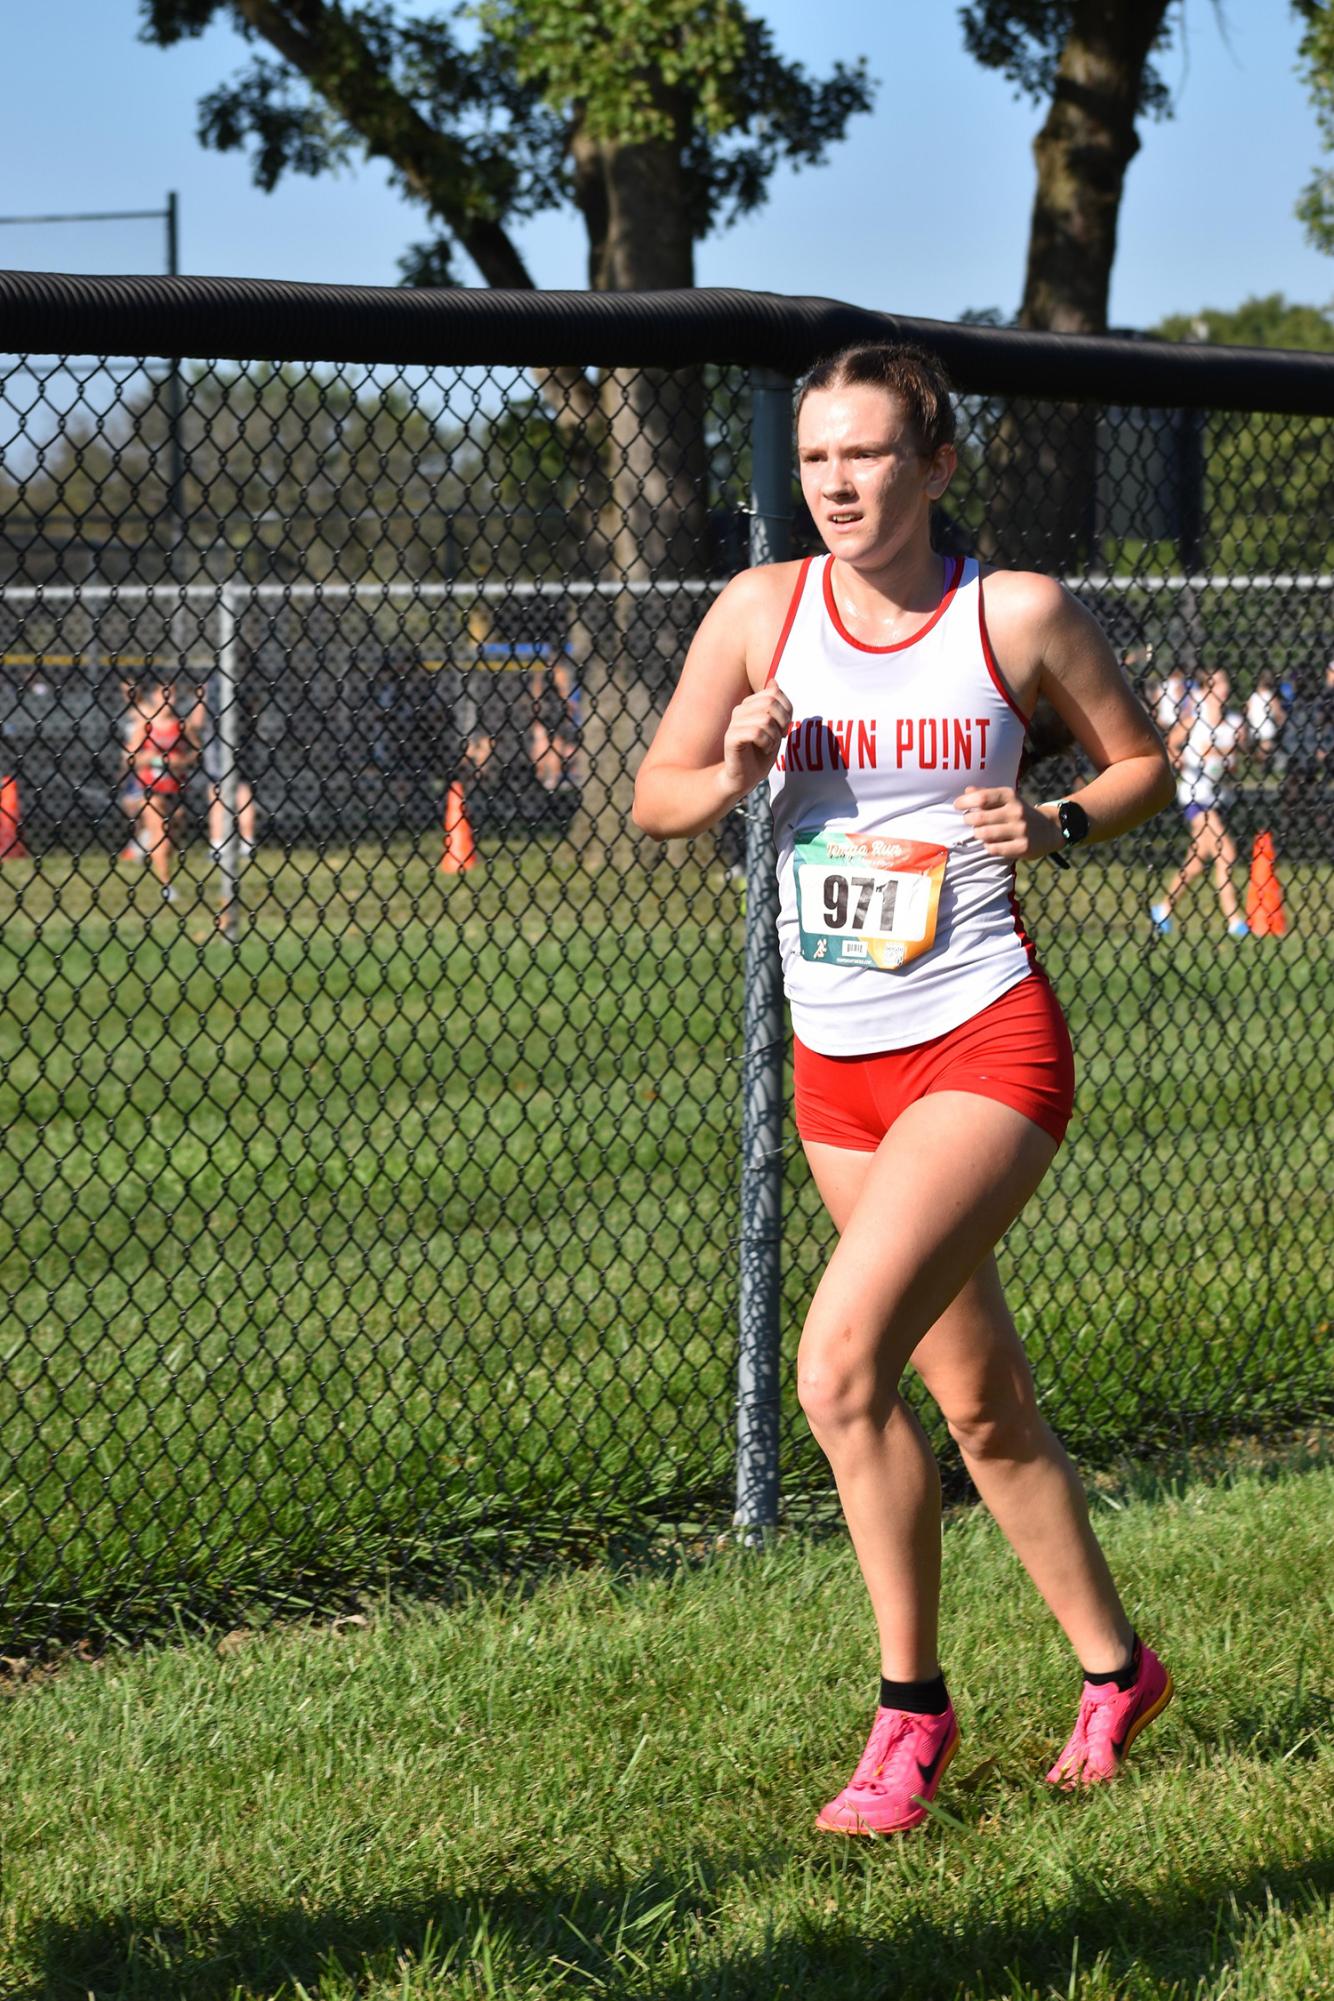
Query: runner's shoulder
(762, 586)
(1024, 597)
(757, 601)
(1033, 619)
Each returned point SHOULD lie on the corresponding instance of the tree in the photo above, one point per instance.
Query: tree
(658, 120)
(289, 474)
(1268, 498)
(1268, 321)
(1091, 62)
(675, 110)
(1315, 60)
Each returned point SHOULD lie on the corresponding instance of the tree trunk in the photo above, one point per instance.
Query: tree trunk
(1044, 456)
(654, 526)
(642, 432)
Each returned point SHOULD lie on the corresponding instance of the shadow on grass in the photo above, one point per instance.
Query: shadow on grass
(1158, 1470)
(677, 1531)
(658, 1934)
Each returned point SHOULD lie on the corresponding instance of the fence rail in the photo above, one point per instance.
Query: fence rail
(246, 319)
(395, 1170)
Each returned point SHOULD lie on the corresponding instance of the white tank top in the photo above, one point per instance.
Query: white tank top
(883, 740)
(1202, 772)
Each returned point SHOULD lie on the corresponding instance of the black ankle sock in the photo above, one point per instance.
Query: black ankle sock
(1123, 1677)
(922, 1698)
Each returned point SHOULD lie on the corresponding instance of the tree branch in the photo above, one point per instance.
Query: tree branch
(329, 50)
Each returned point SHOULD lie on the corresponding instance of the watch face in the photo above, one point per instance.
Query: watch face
(1074, 822)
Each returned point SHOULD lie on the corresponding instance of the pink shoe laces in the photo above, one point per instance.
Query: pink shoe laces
(890, 1734)
(1094, 1732)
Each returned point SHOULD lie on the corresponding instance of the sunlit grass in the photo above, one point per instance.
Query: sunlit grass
(406, 1227)
(605, 1785)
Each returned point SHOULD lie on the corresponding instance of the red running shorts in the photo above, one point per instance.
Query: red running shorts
(1017, 1051)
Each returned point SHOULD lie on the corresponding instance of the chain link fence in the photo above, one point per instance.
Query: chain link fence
(371, 1172)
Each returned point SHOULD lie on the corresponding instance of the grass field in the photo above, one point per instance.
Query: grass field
(604, 1785)
(406, 1227)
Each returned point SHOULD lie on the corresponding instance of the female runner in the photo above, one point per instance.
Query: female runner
(1204, 748)
(934, 1077)
(160, 755)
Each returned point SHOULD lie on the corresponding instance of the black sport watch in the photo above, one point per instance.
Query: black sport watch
(1074, 825)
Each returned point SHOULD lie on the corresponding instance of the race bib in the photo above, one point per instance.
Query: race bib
(867, 900)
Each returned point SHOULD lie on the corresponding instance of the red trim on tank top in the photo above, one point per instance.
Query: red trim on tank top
(787, 622)
(992, 668)
(899, 644)
(1023, 936)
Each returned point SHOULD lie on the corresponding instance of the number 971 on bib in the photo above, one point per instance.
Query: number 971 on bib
(866, 900)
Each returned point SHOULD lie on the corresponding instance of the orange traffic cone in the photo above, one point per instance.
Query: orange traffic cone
(460, 850)
(1264, 897)
(11, 846)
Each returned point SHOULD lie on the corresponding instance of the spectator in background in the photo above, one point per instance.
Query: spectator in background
(1265, 717)
(555, 744)
(130, 791)
(1137, 666)
(1203, 749)
(477, 754)
(205, 733)
(1308, 745)
(1176, 701)
(161, 754)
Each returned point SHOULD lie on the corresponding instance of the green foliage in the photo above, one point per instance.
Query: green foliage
(1024, 38)
(1315, 61)
(533, 457)
(703, 74)
(1271, 321)
(1269, 480)
(385, 87)
(365, 471)
(624, 62)
(475, 109)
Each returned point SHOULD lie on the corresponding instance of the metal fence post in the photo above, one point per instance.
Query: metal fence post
(758, 1362)
(224, 724)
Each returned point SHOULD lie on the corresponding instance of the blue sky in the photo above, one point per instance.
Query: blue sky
(924, 210)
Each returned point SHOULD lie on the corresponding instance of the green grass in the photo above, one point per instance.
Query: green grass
(405, 1229)
(604, 1785)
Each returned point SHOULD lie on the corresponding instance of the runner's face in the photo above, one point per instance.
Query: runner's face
(866, 481)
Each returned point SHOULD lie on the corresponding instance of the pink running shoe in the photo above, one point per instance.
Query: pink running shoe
(905, 1755)
(1109, 1721)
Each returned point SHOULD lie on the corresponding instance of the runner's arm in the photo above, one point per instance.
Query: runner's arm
(1047, 644)
(719, 734)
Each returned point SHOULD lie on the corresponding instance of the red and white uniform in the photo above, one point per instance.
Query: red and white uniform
(163, 738)
(883, 740)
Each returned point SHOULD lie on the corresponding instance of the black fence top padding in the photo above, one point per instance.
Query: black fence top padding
(263, 319)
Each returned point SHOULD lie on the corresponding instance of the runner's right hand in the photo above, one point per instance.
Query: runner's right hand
(755, 736)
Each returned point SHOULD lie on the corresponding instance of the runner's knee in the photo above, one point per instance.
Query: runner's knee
(838, 1384)
(995, 1422)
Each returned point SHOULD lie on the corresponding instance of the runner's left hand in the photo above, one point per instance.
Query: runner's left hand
(1007, 825)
